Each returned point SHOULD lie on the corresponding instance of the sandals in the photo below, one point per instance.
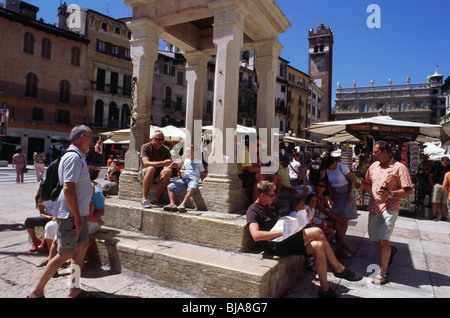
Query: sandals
(380, 279)
(42, 263)
(348, 275)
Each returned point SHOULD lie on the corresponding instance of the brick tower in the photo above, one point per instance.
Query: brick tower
(320, 66)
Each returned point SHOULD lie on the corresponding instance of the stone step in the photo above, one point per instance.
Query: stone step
(211, 229)
(198, 270)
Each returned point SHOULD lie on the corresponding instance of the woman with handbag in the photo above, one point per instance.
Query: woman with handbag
(20, 161)
(342, 182)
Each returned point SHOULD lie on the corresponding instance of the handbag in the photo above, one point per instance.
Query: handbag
(24, 169)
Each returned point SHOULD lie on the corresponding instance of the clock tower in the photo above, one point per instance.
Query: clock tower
(320, 65)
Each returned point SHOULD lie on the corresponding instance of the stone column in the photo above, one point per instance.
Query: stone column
(196, 72)
(144, 52)
(267, 53)
(222, 188)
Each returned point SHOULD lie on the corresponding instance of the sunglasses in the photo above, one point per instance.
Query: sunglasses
(159, 139)
(321, 186)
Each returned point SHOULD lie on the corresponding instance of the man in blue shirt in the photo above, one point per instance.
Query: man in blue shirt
(72, 215)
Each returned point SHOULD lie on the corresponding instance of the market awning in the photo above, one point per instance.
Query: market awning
(299, 140)
(382, 125)
(171, 133)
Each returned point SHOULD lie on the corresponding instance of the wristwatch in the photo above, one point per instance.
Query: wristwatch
(391, 193)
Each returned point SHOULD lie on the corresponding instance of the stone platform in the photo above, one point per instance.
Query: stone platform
(208, 254)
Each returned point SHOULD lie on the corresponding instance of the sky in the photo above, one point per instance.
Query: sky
(403, 37)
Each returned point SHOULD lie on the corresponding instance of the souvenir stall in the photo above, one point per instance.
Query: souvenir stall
(403, 137)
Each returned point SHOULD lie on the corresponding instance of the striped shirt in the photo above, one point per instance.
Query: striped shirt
(394, 176)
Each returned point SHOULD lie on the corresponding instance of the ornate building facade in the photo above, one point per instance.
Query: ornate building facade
(422, 102)
(42, 76)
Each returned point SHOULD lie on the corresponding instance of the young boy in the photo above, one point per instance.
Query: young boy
(193, 171)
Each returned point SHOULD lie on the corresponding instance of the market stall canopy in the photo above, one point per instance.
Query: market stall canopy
(171, 133)
(342, 136)
(299, 140)
(380, 125)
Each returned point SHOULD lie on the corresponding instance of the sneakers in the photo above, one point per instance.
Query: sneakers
(348, 275)
(171, 208)
(328, 294)
(146, 204)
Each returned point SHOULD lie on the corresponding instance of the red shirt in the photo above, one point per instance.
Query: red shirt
(394, 176)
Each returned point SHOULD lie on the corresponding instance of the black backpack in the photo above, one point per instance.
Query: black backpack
(50, 187)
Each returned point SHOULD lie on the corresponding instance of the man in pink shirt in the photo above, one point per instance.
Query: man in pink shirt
(388, 180)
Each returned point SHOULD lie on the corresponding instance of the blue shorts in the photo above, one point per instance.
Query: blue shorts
(189, 182)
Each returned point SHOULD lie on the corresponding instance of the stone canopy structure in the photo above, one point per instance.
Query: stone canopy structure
(202, 29)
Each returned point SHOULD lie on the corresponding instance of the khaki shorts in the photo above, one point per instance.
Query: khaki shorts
(67, 240)
(381, 225)
(439, 195)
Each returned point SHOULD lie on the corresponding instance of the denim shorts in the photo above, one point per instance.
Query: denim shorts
(189, 182)
(67, 240)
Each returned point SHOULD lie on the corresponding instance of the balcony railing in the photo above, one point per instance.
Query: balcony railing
(42, 94)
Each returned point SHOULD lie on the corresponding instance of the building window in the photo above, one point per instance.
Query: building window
(31, 85)
(64, 91)
(38, 114)
(115, 51)
(180, 78)
(114, 83)
(418, 104)
(46, 49)
(101, 75)
(101, 46)
(28, 43)
(127, 85)
(75, 56)
(98, 119)
(362, 108)
(400, 106)
(127, 54)
(126, 114)
(113, 118)
(179, 105)
(63, 116)
(168, 98)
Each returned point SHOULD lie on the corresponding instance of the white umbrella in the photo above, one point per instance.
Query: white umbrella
(172, 133)
(239, 129)
(433, 151)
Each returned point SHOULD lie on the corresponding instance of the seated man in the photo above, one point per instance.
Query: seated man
(194, 170)
(112, 186)
(250, 172)
(288, 191)
(155, 162)
(309, 241)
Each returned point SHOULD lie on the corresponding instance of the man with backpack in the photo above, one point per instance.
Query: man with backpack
(73, 212)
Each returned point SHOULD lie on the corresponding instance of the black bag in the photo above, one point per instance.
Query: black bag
(24, 169)
(50, 188)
